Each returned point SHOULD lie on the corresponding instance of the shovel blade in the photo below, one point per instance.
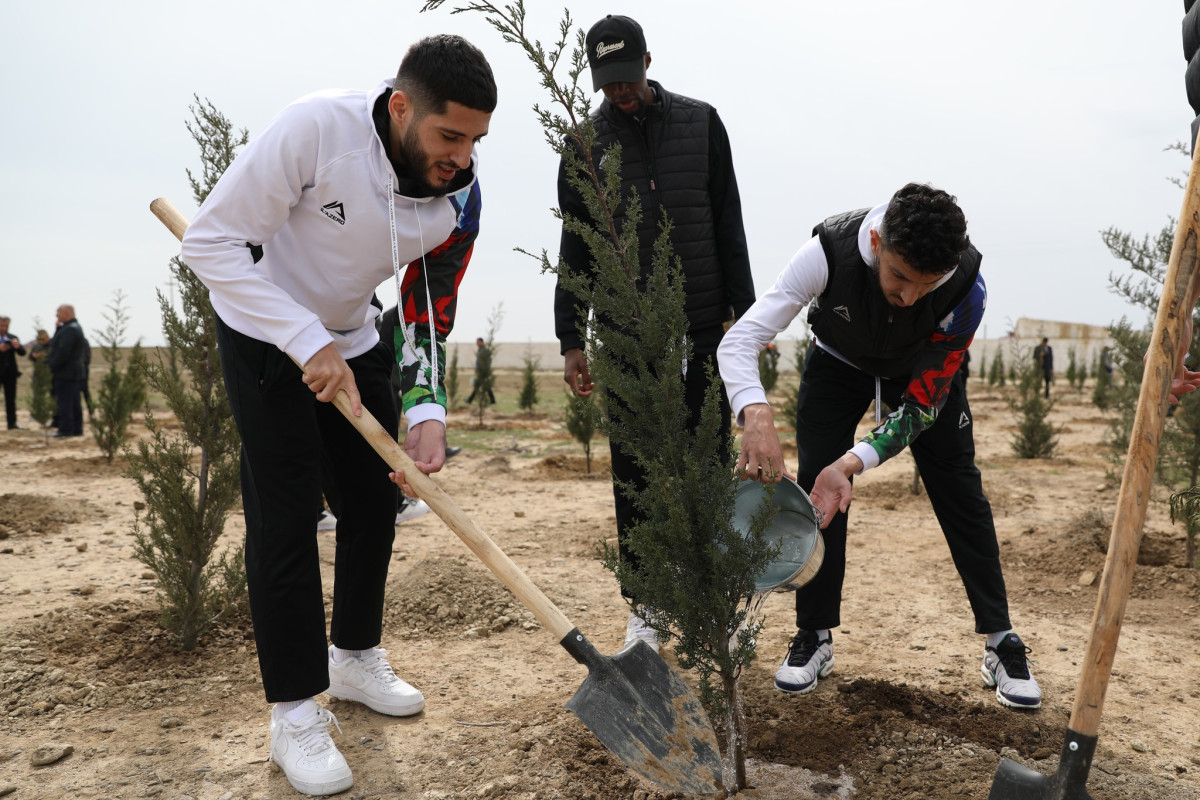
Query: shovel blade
(1015, 782)
(643, 712)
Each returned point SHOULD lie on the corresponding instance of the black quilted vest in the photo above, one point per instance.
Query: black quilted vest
(665, 160)
(854, 318)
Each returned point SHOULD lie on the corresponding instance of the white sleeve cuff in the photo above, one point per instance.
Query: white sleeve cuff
(747, 397)
(867, 455)
(307, 343)
(425, 412)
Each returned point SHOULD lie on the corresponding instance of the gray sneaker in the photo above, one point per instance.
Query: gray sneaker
(1006, 669)
(807, 660)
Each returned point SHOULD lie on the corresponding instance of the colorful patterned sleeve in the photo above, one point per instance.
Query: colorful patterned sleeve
(445, 265)
(930, 383)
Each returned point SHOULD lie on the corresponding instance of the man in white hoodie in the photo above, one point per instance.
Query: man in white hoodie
(341, 191)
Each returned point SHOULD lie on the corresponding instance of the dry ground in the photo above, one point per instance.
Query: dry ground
(85, 666)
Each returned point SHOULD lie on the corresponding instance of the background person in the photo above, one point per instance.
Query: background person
(1043, 357)
(10, 348)
(483, 364)
(895, 296)
(68, 350)
(675, 155)
(340, 192)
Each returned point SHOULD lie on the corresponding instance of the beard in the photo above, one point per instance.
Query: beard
(419, 163)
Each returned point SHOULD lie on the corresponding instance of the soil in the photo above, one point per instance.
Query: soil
(85, 666)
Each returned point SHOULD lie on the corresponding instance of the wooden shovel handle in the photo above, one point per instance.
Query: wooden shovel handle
(1174, 308)
(458, 521)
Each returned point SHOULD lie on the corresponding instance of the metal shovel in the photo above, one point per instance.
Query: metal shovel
(636, 705)
(1013, 781)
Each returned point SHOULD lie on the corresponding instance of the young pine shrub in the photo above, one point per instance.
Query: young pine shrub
(696, 570)
(189, 479)
(1035, 437)
(582, 418)
(122, 389)
(529, 384)
(996, 370)
(768, 366)
(41, 397)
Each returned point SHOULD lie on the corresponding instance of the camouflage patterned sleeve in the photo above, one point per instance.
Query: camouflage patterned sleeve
(416, 371)
(445, 266)
(930, 383)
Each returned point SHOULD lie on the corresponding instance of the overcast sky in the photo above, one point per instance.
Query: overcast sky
(1047, 119)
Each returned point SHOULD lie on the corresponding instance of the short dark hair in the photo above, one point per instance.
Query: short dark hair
(446, 69)
(926, 228)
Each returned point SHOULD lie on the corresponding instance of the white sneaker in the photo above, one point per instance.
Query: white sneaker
(306, 753)
(327, 522)
(370, 680)
(808, 659)
(636, 629)
(1006, 668)
(415, 507)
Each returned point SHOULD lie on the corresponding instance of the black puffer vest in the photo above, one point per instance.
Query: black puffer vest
(854, 318)
(665, 159)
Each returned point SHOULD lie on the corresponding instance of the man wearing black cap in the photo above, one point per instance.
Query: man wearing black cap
(675, 155)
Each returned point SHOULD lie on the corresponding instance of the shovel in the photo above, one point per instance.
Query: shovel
(1013, 781)
(636, 705)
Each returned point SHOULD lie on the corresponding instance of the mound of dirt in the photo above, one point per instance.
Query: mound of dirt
(563, 467)
(39, 515)
(451, 596)
(98, 655)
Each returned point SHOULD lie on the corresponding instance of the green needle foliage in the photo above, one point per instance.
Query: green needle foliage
(190, 479)
(996, 370)
(1072, 368)
(1178, 467)
(1035, 437)
(121, 390)
(41, 398)
(529, 385)
(1185, 506)
(768, 367)
(582, 417)
(791, 404)
(696, 570)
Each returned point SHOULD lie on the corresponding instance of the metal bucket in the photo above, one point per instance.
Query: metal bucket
(795, 528)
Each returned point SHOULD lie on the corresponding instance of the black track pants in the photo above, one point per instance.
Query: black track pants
(833, 398)
(624, 468)
(289, 440)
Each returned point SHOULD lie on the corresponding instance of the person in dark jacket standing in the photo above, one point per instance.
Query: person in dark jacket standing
(675, 155)
(68, 350)
(10, 348)
(1043, 357)
(895, 296)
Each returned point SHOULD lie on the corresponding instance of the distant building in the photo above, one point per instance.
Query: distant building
(1086, 340)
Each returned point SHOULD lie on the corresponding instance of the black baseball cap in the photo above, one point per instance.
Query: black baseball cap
(615, 50)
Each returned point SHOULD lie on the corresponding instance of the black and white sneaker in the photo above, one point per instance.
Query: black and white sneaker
(807, 660)
(1007, 670)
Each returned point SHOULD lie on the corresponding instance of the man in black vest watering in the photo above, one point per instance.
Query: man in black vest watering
(895, 296)
(675, 155)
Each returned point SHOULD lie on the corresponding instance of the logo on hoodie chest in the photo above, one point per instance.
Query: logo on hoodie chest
(335, 211)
